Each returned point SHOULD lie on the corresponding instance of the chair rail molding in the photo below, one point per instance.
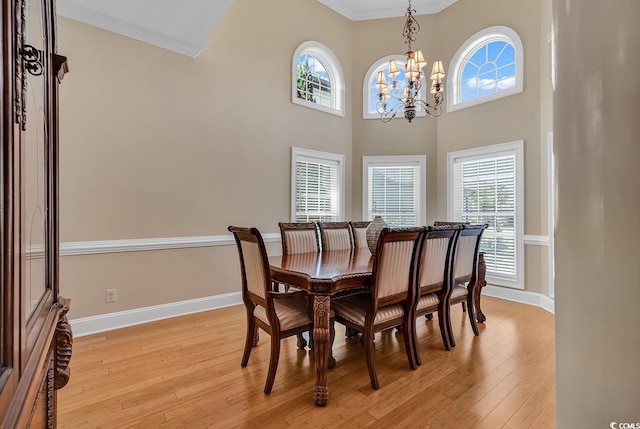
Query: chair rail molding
(536, 240)
(135, 245)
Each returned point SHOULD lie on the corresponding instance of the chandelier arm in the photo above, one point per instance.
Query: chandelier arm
(388, 115)
(432, 110)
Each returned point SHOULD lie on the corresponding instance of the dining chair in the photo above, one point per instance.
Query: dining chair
(392, 297)
(299, 237)
(451, 223)
(335, 235)
(359, 233)
(279, 314)
(434, 277)
(465, 273)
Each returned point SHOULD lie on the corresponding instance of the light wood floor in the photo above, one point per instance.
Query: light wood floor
(185, 373)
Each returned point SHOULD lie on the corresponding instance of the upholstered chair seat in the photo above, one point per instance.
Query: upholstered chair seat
(354, 309)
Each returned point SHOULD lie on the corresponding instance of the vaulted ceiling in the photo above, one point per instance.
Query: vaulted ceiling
(185, 26)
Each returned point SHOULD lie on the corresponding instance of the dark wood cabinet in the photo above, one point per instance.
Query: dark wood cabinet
(35, 336)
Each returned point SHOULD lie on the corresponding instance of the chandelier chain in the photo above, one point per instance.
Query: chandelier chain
(411, 27)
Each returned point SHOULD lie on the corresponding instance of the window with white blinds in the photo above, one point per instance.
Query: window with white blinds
(317, 186)
(486, 188)
(394, 188)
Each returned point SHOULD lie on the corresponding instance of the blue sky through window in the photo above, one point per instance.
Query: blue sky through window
(490, 69)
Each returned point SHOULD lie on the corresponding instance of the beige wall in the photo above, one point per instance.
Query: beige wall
(155, 144)
(519, 117)
(596, 127)
(373, 40)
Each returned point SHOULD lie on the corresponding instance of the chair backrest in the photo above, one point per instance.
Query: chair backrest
(394, 264)
(256, 275)
(449, 223)
(436, 256)
(466, 260)
(335, 235)
(359, 233)
(299, 237)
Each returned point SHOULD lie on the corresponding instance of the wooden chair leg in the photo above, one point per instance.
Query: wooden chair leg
(464, 307)
(443, 328)
(447, 317)
(256, 336)
(416, 347)
(332, 333)
(302, 343)
(472, 316)
(350, 332)
(252, 330)
(369, 348)
(409, 344)
(273, 362)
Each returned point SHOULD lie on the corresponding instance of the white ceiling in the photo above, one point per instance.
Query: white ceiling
(184, 26)
(358, 10)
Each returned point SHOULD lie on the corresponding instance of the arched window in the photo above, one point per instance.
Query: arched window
(486, 67)
(370, 92)
(317, 79)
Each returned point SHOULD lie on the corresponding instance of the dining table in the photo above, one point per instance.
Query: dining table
(327, 274)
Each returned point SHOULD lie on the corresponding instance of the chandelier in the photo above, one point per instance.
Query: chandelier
(406, 94)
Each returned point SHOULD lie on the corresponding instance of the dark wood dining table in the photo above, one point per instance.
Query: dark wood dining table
(323, 275)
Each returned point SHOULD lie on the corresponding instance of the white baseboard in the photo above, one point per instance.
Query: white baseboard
(122, 319)
(521, 296)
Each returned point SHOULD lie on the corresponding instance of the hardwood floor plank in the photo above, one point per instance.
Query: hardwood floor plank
(184, 373)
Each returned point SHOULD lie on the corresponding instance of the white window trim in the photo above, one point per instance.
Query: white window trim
(336, 76)
(372, 74)
(397, 160)
(296, 153)
(464, 53)
(510, 148)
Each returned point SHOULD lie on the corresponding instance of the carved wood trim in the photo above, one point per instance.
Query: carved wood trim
(63, 345)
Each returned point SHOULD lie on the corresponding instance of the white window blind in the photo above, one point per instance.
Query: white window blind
(394, 188)
(317, 190)
(486, 193)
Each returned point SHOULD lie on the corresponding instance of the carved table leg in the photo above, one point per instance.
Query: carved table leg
(482, 272)
(321, 346)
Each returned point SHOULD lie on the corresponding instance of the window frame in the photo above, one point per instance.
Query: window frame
(336, 77)
(296, 154)
(487, 152)
(396, 161)
(372, 74)
(467, 50)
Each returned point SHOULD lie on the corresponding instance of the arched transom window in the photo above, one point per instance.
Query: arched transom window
(486, 67)
(317, 79)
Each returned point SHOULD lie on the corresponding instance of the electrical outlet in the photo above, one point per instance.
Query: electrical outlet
(110, 295)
